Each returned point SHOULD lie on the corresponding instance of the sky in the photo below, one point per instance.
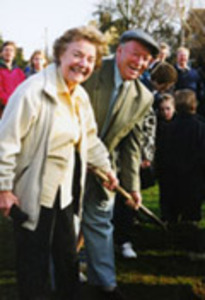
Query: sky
(34, 23)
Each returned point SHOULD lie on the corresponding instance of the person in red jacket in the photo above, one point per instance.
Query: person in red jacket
(10, 74)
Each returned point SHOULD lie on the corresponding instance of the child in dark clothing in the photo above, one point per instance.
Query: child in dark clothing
(166, 114)
(163, 78)
(166, 108)
(181, 162)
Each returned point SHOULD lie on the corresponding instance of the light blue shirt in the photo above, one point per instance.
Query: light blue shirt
(118, 85)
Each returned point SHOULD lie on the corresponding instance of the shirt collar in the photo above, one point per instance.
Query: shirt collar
(77, 95)
(118, 78)
(61, 86)
(187, 68)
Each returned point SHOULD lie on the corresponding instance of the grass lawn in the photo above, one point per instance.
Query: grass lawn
(165, 269)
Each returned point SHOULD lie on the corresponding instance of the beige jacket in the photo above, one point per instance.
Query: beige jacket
(124, 133)
(24, 135)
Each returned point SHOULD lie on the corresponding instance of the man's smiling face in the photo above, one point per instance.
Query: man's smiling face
(133, 58)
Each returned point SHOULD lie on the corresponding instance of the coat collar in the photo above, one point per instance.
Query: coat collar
(50, 86)
(107, 73)
(55, 85)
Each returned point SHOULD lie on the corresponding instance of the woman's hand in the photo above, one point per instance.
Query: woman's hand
(7, 200)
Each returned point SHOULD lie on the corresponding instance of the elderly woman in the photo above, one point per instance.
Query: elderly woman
(47, 120)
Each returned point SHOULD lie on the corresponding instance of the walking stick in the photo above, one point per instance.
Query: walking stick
(125, 194)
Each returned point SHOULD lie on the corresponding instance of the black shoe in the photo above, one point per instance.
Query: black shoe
(115, 294)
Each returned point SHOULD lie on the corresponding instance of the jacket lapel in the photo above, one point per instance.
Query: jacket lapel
(132, 111)
(125, 108)
(103, 93)
(120, 100)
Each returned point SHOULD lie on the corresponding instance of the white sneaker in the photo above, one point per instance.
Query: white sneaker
(128, 251)
(196, 256)
(82, 277)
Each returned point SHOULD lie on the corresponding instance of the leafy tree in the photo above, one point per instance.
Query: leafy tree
(1, 41)
(20, 61)
(157, 17)
(195, 34)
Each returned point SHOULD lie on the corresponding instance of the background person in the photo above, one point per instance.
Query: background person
(167, 109)
(10, 75)
(36, 64)
(47, 120)
(166, 114)
(181, 162)
(124, 217)
(164, 53)
(189, 77)
(163, 79)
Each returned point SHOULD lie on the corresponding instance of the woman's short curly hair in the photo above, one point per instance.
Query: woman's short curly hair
(89, 33)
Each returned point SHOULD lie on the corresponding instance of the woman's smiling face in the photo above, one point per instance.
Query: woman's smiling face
(77, 62)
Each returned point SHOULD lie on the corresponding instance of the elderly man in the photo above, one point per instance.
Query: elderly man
(188, 77)
(120, 102)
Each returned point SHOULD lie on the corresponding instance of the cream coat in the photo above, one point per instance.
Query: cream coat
(24, 134)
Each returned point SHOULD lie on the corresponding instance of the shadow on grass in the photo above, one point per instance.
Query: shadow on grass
(168, 266)
(8, 292)
(132, 291)
(180, 237)
(165, 292)
(146, 292)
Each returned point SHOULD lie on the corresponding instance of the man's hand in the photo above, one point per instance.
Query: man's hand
(7, 199)
(136, 200)
(112, 181)
(145, 164)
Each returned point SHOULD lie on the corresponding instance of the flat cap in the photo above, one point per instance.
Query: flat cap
(141, 36)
